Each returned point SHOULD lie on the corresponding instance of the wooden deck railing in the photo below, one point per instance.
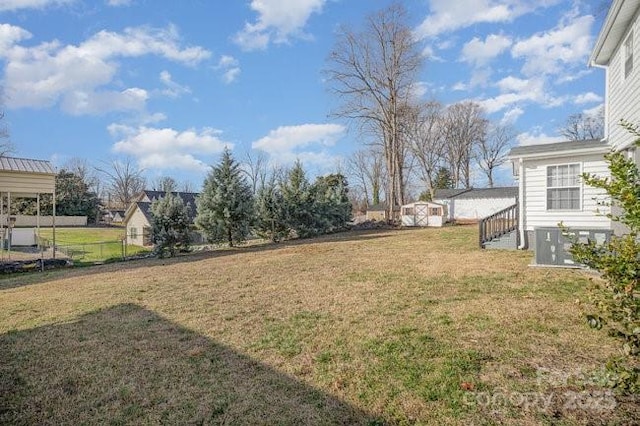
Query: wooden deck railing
(498, 224)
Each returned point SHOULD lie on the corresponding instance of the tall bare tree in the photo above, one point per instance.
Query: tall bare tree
(164, 183)
(465, 126)
(6, 147)
(255, 168)
(125, 180)
(373, 73)
(425, 133)
(583, 126)
(366, 167)
(492, 150)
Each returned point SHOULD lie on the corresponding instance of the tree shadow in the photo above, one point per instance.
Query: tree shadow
(128, 365)
(30, 278)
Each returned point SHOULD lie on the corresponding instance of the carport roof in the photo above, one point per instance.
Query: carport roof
(25, 165)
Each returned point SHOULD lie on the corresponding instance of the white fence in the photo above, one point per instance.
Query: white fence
(45, 221)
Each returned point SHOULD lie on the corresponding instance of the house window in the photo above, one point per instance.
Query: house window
(563, 187)
(133, 233)
(628, 55)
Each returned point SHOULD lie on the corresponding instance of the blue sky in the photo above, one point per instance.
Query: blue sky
(170, 83)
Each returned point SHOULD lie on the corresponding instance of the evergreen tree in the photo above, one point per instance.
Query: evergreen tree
(444, 179)
(225, 207)
(169, 225)
(331, 207)
(298, 202)
(271, 214)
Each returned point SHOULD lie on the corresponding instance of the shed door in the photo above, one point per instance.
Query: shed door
(422, 214)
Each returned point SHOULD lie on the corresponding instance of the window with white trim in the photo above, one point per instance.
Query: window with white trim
(563, 187)
(628, 55)
(133, 233)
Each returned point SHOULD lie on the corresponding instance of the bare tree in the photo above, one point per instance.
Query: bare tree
(187, 186)
(465, 126)
(583, 126)
(6, 147)
(255, 167)
(373, 73)
(366, 167)
(165, 184)
(125, 180)
(81, 168)
(425, 134)
(492, 150)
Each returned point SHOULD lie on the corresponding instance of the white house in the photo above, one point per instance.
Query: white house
(549, 184)
(422, 213)
(137, 218)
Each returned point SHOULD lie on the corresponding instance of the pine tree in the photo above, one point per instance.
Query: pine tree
(225, 207)
(331, 205)
(298, 202)
(271, 214)
(169, 225)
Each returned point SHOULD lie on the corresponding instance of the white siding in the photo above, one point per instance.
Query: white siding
(26, 183)
(139, 222)
(478, 208)
(535, 205)
(623, 93)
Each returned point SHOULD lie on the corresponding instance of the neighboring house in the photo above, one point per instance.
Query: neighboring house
(138, 217)
(422, 213)
(471, 205)
(113, 216)
(550, 188)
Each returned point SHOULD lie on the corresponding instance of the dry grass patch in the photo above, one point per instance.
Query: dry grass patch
(372, 327)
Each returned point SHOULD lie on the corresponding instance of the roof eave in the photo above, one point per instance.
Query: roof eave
(607, 41)
(567, 153)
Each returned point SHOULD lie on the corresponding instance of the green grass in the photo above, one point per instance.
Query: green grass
(385, 327)
(89, 245)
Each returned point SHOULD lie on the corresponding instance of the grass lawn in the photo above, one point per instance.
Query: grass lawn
(88, 245)
(385, 327)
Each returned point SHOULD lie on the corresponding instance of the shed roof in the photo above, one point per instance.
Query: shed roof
(487, 193)
(26, 165)
(442, 194)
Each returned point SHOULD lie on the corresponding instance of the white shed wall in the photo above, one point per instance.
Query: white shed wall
(535, 199)
(478, 208)
(139, 222)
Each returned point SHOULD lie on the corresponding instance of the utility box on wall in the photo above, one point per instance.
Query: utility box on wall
(552, 246)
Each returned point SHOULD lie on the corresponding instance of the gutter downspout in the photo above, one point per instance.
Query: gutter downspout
(521, 206)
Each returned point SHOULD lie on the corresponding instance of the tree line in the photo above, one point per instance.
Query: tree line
(234, 204)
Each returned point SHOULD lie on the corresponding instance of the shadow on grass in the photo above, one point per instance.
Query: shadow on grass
(128, 365)
(30, 278)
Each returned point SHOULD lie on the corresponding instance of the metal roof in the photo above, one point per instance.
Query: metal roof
(26, 165)
(442, 194)
(487, 193)
(549, 148)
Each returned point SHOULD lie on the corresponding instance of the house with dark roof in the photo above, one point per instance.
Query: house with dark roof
(474, 204)
(137, 218)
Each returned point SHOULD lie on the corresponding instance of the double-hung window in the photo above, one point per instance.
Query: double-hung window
(563, 187)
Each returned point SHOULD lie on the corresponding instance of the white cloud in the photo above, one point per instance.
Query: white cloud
(166, 148)
(511, 116)
(173, 89)
(536, 137)
(587, 98)
(229, 67)
(551, 52)
(277, 22)
(459, 86)
(119, 3)
(451, 15)
(307, 142)
(479, 53)
(11, 5)
(516, 92)
(79, 77)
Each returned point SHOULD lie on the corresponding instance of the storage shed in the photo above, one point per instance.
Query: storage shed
(423, 213)
(23, 178)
